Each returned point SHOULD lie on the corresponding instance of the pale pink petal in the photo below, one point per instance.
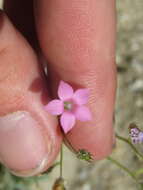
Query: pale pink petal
(65, 91)
(67, 121)
(81, 96)
(55, 107)
(82, 113)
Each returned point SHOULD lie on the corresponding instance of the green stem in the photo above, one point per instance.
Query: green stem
(61, 162)
(131, 174)
(131, 145)
(122, 167)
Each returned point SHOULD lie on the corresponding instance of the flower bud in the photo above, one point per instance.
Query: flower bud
(59, 184)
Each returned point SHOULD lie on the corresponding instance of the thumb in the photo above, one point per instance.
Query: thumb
(29, 137)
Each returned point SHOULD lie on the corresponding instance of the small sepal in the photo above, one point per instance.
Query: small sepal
(83, 154)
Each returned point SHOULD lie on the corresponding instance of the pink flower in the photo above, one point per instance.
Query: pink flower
(70, 106)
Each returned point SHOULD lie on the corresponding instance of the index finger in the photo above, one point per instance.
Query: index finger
(78, 40)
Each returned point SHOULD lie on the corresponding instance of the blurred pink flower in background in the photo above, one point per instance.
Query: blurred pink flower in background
(70, 105)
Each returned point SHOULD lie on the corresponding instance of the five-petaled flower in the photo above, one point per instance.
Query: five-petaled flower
(70, 105)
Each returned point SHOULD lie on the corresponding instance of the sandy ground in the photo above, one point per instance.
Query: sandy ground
(129, 107)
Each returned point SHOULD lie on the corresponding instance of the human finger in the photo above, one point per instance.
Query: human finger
(78, 40)
(30, 138)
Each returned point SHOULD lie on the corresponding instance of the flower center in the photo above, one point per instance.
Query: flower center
(68, 105)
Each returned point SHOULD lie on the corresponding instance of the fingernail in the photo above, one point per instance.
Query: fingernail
(22, 146)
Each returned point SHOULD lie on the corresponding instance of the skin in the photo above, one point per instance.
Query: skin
(77, 38)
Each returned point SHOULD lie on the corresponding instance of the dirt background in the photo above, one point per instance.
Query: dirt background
(104, 175)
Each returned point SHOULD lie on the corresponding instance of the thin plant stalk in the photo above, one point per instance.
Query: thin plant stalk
(131, 145)
(130, 173)
(123, 168)
(61, 162)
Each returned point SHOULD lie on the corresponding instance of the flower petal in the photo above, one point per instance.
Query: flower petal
(67, 121)
(65, 91)
(140, 137)
(81, 96)
(55, 107)
(82, 113)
